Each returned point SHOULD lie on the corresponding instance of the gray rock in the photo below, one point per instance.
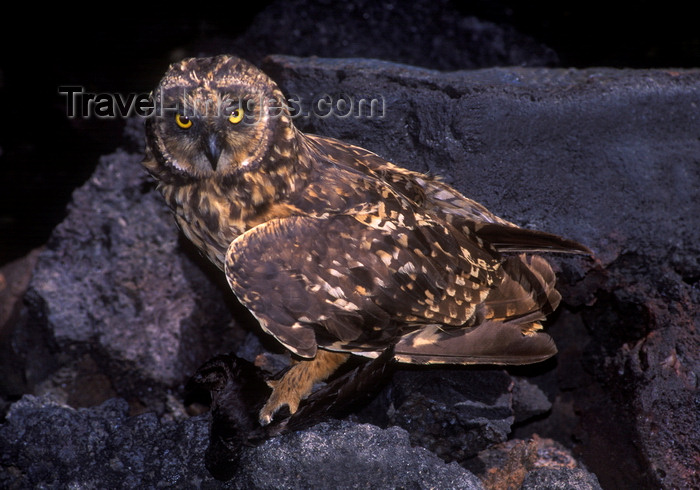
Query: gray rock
(528, 400)
(14, 279)
(116, 284)
(345, 455)
(52, 446)
(507, 465)
(455, 413)
(562, 478)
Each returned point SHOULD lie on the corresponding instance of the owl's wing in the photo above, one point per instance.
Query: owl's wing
(360, 283)
(443, 200)
(426, 191)
(353, 281)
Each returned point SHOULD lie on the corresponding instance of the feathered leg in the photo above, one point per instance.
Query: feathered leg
(296, 384)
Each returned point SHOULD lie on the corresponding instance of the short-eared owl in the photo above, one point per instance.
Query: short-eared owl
(335, 250)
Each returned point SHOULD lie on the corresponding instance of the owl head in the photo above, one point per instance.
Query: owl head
(216, 117)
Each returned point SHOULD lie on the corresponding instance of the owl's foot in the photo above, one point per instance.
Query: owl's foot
(297, 383)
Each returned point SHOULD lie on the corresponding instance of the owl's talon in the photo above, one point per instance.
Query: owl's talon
(283, 394)
(297, 383)
(265, 419)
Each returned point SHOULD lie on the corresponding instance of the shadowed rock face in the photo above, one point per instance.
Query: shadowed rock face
(103, 447)
(427, 33)
(119, 305)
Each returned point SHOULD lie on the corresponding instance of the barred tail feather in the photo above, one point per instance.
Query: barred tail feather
(491, 342)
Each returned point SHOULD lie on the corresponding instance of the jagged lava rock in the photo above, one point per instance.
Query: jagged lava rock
(114, 283)
(48, 445)
(454, 412)
(560, 478)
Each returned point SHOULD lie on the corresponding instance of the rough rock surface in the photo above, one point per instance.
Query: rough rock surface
(560, 479)
(14, 279)
(349, 456)
(119, 306)
(115, 291)
(454, 412)
(52, 446)
(507, 465)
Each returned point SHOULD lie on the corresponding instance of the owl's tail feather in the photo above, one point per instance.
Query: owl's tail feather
(491, 342)
(514, 239)
(507, 330)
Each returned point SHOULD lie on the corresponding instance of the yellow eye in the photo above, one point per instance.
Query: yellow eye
(236, 116)
(183, 121)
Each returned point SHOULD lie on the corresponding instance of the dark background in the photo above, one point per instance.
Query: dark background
(44, 155)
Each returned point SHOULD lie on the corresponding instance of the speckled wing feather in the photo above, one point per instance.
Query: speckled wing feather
(444, 201)
(358, 281)
(428, 192)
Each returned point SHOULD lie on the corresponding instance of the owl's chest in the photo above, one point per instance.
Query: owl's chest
(212, 216)
(212, 220)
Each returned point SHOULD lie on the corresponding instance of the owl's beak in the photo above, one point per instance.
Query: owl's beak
(212, 149)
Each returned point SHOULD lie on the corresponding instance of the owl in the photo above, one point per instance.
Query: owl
(333, 249)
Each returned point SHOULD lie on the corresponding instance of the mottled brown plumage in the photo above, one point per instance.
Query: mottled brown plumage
(332, 248)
